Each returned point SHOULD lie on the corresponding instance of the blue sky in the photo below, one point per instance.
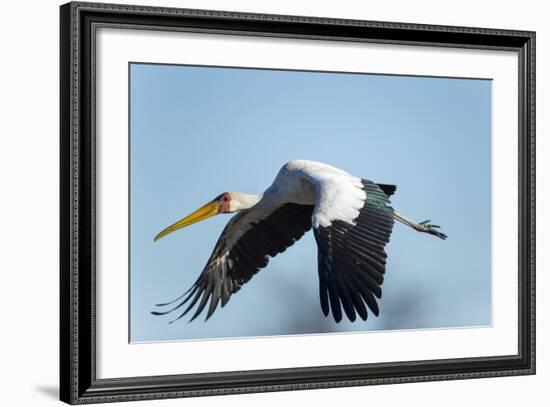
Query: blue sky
(199, 131)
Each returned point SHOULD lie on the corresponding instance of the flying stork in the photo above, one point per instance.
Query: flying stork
(352, 221)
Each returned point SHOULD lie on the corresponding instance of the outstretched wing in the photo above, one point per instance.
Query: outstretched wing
(244, 247)
(352, 223)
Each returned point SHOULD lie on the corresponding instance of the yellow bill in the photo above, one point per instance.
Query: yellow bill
(204, 212)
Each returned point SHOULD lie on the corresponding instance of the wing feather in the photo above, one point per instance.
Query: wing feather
(248, 241)
(352, 257)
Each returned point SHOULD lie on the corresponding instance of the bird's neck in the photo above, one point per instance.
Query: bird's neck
(242, 201)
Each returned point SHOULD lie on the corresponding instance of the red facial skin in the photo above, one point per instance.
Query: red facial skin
(224, 201)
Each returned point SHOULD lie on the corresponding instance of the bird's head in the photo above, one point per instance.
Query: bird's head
(227, 202)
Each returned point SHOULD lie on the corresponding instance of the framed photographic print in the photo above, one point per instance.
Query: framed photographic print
(257, 203)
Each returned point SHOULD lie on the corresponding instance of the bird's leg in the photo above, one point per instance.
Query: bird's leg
(424, 226)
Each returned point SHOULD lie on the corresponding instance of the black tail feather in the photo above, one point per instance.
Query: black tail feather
(388, 189)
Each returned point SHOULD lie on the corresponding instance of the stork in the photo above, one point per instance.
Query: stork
(351, 219)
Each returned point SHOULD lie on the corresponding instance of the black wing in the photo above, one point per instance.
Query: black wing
(244, 247)
(351, 258)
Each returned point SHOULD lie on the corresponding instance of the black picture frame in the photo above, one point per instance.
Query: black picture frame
(78, 382)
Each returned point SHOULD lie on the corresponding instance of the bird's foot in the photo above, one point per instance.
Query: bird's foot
(427, 227)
